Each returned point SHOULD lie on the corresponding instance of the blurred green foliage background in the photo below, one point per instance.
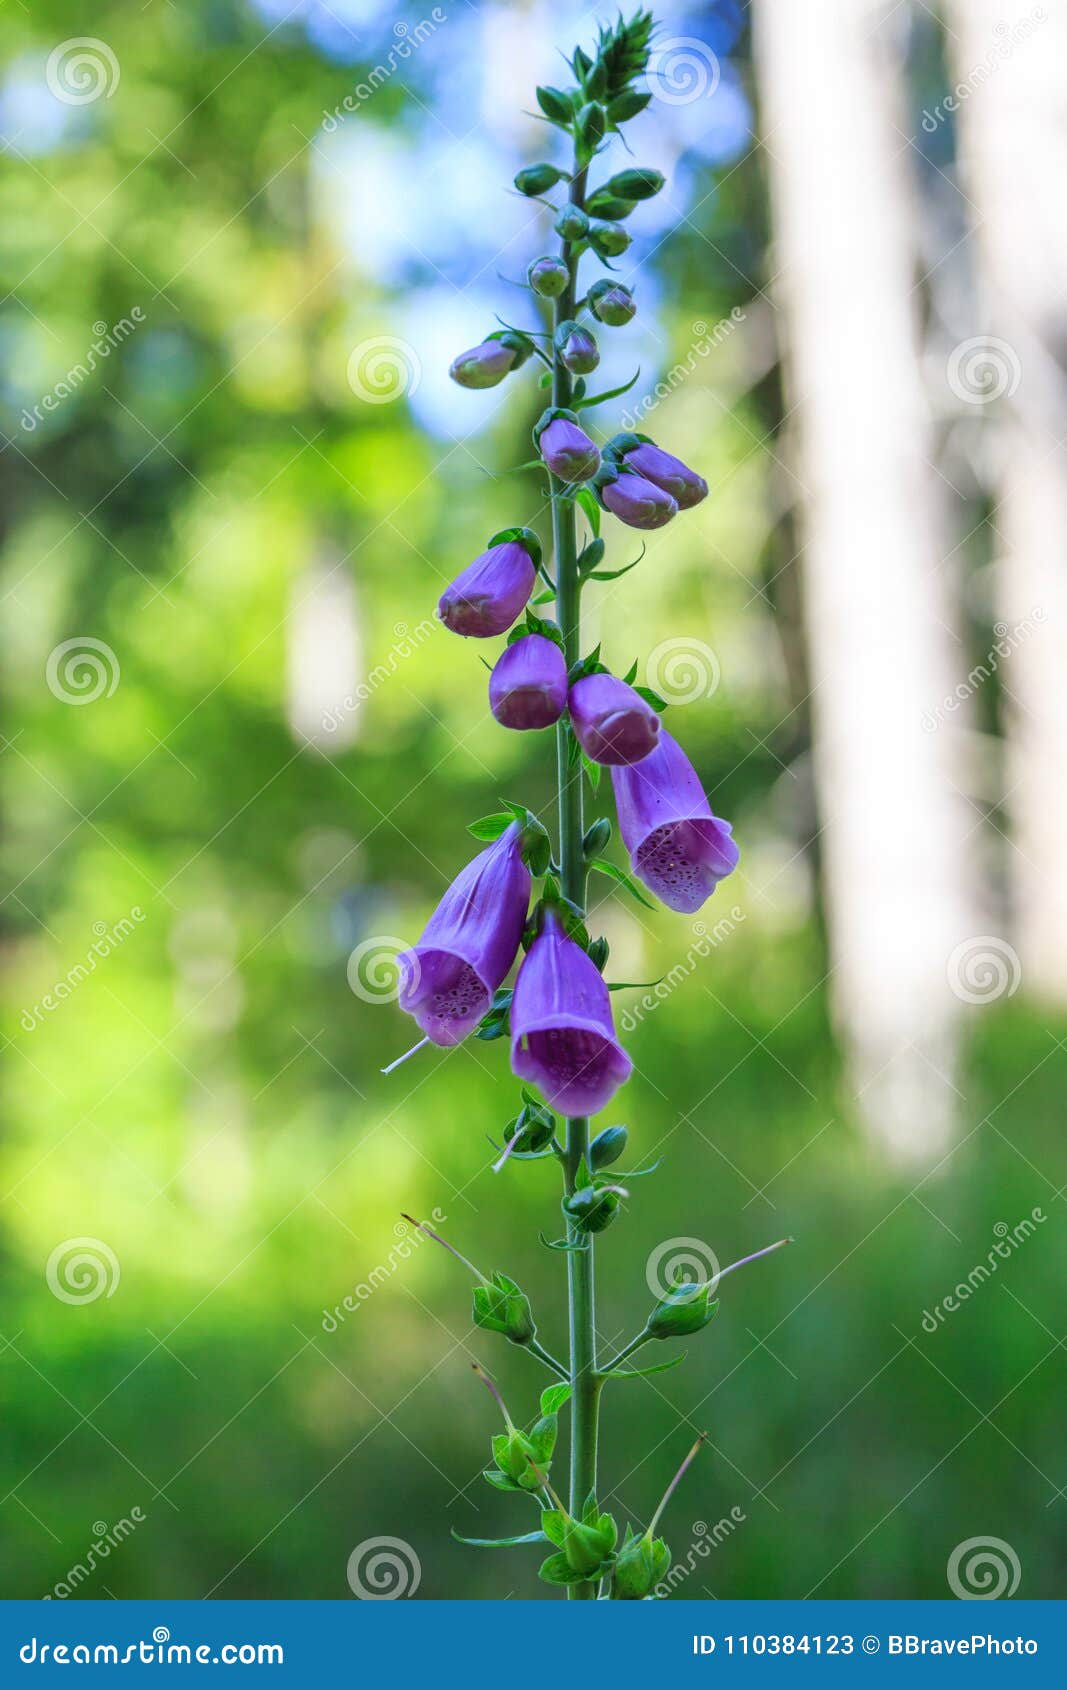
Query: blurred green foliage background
(208, 1102)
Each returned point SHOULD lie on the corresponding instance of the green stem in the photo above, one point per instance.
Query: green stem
(585, 1383)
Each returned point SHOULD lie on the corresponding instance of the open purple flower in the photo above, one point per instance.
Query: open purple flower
(677, 847)
(638, 503)
(612, 723)
(483, 366)
(568, 450)
(528, 686)
(469, 943)
(562, 1035)
(663, 469)
(490, 593)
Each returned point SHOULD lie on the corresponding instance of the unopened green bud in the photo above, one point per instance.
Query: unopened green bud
(637, 184)
(590, 127)
(641, 1563)
(598, 953)
(531, 1129)
(538, 179)
(605, 204)
(572, 224)
(548, 277)
(628, 104)
(611, 303)
(607, 1147)
(597, 836)
(593, 1208)
(608, 240)
(686, 1308)
(588, 1542)
(595, 81)
(513, 1452)
(500, 1306)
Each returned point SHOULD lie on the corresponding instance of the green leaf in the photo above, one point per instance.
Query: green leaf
(553, 1397)
(546, 597)
(649, 696)
(562, 1243)
(642, 1372)
(633, 985)
(612, 574)
(591, 509)
(557, 105)
(588, 399)
(594, 772)
(491, 827)
(500, 1542)
(621, 878)
(500, 1481)
(581, 1175)
(639, 1173)
(554, 1524)
(558, 1570)
(632, 670)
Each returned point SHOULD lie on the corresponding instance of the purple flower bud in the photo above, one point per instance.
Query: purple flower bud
(612, 723)
(677, 847)
(483, 366)
(490, 593)
(579, 352)
(638, 503)
(562, 1034)
(528, 686)
(548, 277)
(666, 471)
(612, 303)
(449, 977)
(568, 450)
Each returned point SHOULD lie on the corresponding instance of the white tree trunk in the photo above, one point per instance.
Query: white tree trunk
(897, 874)
(1008, 69)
